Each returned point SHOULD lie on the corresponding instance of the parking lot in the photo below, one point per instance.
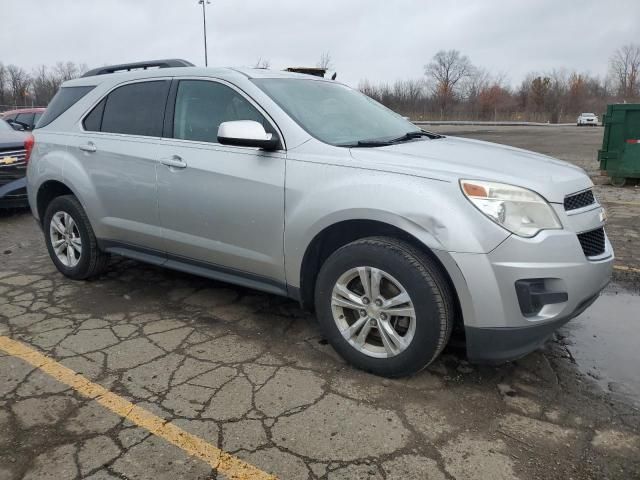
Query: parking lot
(149, 373)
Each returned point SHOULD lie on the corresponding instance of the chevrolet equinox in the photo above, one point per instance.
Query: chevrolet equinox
(301, 186)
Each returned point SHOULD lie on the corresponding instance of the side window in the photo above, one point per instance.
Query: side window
(201, 106)
(36, 118)
(135, 109)
(93, 121)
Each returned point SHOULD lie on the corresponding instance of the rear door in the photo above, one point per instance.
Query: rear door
(119, 150)
(220, 206)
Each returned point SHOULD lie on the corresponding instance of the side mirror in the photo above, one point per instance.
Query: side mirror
(247, 133)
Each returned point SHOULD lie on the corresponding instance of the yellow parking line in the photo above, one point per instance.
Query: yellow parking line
(624, 268)
(225, 463)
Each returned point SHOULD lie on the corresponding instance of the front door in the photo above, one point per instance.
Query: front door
(220, 207)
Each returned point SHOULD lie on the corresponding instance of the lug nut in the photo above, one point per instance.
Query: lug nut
(374, 323)
(379, 302)
(363, 313)
(365, 300)
(383, 316)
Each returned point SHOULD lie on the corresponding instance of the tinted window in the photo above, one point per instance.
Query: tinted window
(37, 117)
(25, 119)
(201, 106)
(93, 121)
(61, 102)
(136, 109)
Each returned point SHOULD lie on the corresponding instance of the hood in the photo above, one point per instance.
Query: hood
(10, 139)
(452, 158)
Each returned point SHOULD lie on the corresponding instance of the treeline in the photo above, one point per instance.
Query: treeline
(20, 88)
(454, 88)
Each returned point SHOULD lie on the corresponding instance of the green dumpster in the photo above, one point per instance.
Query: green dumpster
(620, 153)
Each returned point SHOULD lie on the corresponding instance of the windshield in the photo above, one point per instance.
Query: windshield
(334, 113)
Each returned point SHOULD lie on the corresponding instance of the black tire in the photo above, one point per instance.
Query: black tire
(423, 280)
(92, 260)
(618, 181)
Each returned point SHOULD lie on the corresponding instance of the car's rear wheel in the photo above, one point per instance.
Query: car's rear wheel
(70, 239)
(384, 306)
(618, 181)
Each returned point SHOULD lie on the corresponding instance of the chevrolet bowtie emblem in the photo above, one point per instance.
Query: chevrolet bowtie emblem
(8, 160)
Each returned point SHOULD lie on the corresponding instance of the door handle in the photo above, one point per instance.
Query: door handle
(88, 147)
(174, 161)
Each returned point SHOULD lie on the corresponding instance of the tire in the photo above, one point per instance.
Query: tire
(618, 181)
(90, 260)
(428, 291)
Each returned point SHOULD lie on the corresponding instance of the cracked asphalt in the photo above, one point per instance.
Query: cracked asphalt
(250, 374)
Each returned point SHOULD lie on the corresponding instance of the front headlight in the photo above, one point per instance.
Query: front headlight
(517, 209)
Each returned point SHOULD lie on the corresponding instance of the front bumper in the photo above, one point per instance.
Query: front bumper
(496, 328)
(14, 194)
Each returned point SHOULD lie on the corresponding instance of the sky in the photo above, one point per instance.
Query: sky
(382, 41)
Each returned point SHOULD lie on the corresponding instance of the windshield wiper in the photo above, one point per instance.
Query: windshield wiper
(367, 143)
(373, 142)
(415, 134)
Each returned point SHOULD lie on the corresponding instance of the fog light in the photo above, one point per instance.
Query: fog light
(534, 293)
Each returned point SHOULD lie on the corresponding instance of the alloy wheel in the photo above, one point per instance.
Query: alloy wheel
(373, 312)
(65, 239)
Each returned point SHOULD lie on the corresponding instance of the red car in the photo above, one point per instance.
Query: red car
(24, 117)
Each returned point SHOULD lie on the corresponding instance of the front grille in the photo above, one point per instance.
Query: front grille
(579, 200)
(12, 158)
(592, 242)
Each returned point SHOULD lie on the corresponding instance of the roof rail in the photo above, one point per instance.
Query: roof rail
(125, 67)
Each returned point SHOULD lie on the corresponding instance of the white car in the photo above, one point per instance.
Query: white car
(587, 119)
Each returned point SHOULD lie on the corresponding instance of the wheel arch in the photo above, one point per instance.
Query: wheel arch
(338, 234)
(49, 190)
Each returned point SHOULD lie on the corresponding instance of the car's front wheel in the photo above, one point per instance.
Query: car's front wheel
(384, 306)
(70, 239)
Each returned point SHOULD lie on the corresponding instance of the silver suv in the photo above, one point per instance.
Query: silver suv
(303, 187)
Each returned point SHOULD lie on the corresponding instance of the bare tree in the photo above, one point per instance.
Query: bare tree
(325, 61)
(446, 70)
(66, 71)
(44, 85)
(18, 84)
(262, 63)
(624, 66)
(3, 85)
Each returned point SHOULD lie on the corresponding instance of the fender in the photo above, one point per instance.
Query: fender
(60, 166)
(434, 212)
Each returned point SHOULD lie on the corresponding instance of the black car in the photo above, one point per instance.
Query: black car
(14, 149)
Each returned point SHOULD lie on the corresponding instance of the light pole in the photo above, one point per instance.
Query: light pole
(204, 3)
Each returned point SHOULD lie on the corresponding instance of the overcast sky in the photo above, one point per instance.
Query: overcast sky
(378, 40)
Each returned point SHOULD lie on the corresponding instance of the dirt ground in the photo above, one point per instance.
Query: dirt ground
(235, 370)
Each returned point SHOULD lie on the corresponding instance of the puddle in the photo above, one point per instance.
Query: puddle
(605, 342)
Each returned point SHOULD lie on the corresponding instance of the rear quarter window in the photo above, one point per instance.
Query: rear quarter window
(61, 102)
